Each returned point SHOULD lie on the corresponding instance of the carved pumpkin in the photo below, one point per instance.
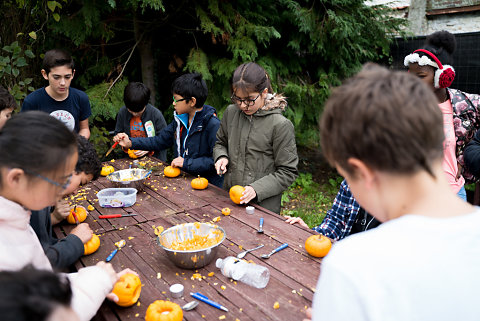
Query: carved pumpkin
(81, 213)
(131, 153)
(170, 171)
(318, 245)
(199, 183)
(128, 289)
(92, 245)
(226, 211)
(236, 192)
(164, 311)
(107, 169)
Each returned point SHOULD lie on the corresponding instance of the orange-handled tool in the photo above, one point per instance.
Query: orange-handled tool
(115, 215)
(111, 149)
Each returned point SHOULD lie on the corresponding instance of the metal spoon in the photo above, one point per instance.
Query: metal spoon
(190, 305)
(119, 245)
(241, 255)
(281, 247)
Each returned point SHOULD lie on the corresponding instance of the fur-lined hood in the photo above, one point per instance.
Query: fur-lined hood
(275, 101)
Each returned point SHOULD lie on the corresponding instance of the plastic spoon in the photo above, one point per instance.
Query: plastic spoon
(281, 247)
(190, 305)
(119, 245)
(241, 255)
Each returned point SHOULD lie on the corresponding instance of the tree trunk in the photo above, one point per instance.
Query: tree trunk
(146, 57)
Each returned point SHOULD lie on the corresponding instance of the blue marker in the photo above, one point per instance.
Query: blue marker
(204, 299)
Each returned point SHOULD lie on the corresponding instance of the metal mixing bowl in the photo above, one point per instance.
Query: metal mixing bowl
(190, 259)
(133, 177)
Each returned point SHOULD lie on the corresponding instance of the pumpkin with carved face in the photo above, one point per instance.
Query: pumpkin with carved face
(128, 289)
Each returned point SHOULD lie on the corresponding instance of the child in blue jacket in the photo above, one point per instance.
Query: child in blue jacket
(192, 132)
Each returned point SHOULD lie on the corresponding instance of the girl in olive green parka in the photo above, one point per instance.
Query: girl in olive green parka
(255, 145)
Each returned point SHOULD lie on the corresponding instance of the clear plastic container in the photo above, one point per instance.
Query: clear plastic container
(251, 274)
(117, 197)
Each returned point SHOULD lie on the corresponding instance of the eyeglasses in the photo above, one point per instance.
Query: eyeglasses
(62, 186)
(177, 101)
(247, 102)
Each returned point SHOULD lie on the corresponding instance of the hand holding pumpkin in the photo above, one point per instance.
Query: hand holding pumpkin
(141, 153)
(61, 211)
(83, 232)
(177, 162)
(127, 289)
(248, 195)
(123, 140)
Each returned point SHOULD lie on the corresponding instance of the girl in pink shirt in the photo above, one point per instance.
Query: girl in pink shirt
(430, 65)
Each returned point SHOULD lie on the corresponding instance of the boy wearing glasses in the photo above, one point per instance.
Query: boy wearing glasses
(192, 132)
(63, 253)
(138, 118)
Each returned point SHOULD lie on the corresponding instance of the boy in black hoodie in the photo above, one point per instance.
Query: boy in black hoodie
(192, 132)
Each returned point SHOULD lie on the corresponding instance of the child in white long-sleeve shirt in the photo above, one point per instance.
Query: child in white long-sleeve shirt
(38, 158)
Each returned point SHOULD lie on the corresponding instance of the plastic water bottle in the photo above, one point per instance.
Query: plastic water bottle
(252, 274)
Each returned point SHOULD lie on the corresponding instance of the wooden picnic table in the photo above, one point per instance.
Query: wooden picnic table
(170, 201)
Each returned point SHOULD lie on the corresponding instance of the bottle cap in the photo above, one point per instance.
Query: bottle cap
(250, 209)
(176, 290)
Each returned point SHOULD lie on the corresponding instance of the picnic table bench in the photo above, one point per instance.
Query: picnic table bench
(170, 201)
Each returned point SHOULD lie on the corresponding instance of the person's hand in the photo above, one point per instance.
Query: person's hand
(83, 232)
(107, 267)
(177, 162)
(112, 296)
(140, 153)
(248, 195)
(123, 140)
(61, 211)
(221, 165)
(294, 220)
(308, 314)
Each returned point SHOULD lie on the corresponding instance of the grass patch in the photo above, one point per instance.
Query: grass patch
(308, 199)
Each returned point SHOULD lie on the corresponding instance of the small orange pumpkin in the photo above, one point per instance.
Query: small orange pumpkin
(199, 182)
(236, 192)
(131, 153)
(128, 289)
(92, 245)
(226, 211)
(164, 311)
(171, 171)
(318, 245)
(81, 213)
